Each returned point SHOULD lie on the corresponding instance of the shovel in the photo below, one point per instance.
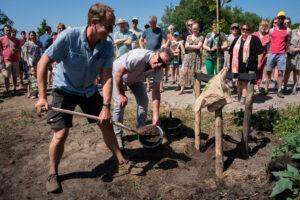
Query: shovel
(150, 129)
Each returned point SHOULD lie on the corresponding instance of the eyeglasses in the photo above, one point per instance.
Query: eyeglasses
(245, 29)
(160, 60)
(235, 28)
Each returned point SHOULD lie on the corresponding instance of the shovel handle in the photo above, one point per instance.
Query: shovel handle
(90, 117)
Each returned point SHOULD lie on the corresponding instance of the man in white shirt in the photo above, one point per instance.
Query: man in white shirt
(130, 69)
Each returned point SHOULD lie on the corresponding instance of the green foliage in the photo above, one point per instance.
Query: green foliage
(204, 11)
(295, 26)
(4, 19)
(290, 143)
(289, 121)
(41, 28)
(263, 120)
(288, 180)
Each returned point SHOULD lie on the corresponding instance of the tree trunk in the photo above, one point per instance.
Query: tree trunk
(197, 91)
(247, 119)
(219, 164)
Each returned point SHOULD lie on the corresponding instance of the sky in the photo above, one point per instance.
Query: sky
(28, 14)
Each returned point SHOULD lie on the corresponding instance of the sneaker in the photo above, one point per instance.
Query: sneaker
(280, 94)
(127, 167)
(52, 184)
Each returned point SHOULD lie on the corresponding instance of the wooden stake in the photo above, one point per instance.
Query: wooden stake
(247, 119)
(197, 91)
(219, 164)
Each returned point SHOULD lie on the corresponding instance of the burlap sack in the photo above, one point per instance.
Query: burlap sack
(216, 93)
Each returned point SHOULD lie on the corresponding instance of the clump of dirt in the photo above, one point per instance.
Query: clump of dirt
(148, 130)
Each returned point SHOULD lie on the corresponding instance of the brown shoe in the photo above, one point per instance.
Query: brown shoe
(127, 167)
(52, 184)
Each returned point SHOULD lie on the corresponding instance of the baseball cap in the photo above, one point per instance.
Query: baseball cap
(234, 25)
(121, 21)
(176, 33)
(134, 19)
(281, 13)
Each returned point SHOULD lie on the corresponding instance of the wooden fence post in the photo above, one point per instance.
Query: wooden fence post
(197, 91)
(247, 119)
(219, 164)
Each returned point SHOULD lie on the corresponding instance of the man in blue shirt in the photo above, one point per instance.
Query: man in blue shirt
(154, 37)
(82, 54)
(46, 39)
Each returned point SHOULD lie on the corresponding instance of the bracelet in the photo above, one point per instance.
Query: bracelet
(106, 105)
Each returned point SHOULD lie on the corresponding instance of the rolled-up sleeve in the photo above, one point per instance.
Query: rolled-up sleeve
(60, 48)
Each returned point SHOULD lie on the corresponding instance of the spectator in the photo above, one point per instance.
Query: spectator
(280, 36)
(293, 60)
(245, 56)
(177, 48)
(152, 39)
(188, 25)
(11, 53)
(211, 44)
(263, 35)
(234, 33)
(192, 59)
(46, 41)
(122, 38)
(23, 65)
(137, 33)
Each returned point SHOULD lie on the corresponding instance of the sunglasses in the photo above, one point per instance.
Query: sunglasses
(275, 22)
(190, 24)
(160, 60)
(245, 29)
(234, 28)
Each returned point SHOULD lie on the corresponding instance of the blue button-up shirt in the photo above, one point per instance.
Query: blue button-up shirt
(78, 65)
(46, 40)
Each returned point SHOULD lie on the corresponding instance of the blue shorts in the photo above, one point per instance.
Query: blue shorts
(276, 60)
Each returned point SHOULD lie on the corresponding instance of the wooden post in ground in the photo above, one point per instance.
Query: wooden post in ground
(197, 91)
(219, 164)
(247, 119)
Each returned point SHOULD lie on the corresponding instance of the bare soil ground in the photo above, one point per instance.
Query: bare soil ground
(88, 171)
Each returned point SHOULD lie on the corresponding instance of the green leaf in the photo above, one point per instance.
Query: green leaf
(296, 156)
(292, 169)
(281, 186)
(283, 174)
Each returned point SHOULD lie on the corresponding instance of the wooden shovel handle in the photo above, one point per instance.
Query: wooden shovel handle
(90, 117)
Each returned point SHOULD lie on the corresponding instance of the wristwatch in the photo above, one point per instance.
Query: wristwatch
(107, 105)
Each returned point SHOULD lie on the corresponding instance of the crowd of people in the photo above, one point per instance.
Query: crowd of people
(276, 46)
(74, 61)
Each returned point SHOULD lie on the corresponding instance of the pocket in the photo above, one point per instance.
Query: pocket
(77, 61)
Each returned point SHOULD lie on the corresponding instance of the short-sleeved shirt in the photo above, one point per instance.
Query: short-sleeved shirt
(78, 65)
(32, 52)
(137, 34)
(10, 48)
(293, 58)
(46, 40)
(123, 48)
(230, 39)
(136, 63)
(154, 38)
(255, 50)
(213, 41)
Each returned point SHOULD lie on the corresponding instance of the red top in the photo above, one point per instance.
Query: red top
(278, 40)
(10, 48)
